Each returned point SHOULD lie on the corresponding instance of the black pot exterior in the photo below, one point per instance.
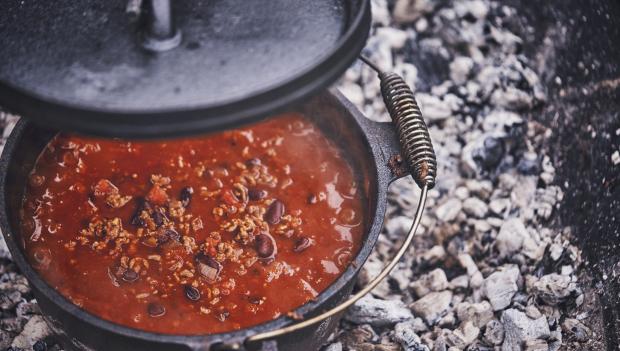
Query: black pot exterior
(368, 147)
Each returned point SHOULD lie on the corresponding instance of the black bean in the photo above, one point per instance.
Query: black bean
(255, 300)
(208, 266)
(265, 246)
(39, 346)
(256, 194)
(274, 212)
(301, 244)
(253, 162)
(130, 275)
(192, 293)
(143, 205)
(158, 218)
(186, 195)
(312, 199)
(155, 309)
(167, 235)
(209, 261)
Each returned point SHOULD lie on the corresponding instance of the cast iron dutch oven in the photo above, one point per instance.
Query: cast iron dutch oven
(373, 149)
(369, 147)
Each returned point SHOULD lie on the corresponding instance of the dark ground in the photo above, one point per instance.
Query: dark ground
(584, 112)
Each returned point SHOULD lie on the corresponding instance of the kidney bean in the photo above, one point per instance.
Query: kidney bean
(301, 244)
(253, 162)
(166, 235)
(229, 197)
(191, 293)
(130, 276)
(274, 212)
(158, 218)
(186, 195)
(255, 300)
(155, 309)
(265, 246)
(208, 266)
(312, 199)
(256, 194)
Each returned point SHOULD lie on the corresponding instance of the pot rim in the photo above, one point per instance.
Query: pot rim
(382, 179)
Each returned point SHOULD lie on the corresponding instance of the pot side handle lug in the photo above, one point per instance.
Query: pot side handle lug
(391, 165)
(414, 138)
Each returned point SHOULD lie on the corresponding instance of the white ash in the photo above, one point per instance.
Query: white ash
(501, 286)
(519, 328)
(378, 312)
(405, 335)
(509, 277)
(433, 306)
(435, 280)
(36, 329)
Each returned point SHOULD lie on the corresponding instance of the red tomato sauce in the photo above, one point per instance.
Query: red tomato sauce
(193, 236)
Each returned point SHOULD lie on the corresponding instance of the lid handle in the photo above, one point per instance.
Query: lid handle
(160, 32)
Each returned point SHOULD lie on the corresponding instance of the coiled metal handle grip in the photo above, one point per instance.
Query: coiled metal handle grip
(415, 141)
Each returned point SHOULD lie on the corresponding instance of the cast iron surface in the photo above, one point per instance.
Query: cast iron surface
(368, 146)
(584, 112)
(80, 65)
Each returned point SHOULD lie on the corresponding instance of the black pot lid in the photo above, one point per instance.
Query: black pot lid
(83, 66)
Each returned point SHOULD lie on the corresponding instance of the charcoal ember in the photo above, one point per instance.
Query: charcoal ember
(40, 345)
(490, 154)
(501, 286)
(463, 336)
(554, 257)
(4, 250)
(479, 314)
(529, 164)
(475, 207)
(553, 288)
(378, 312)
(405, 335)
(9, 299)
(409, 11)
(576, 330)
(13, 325)
(435, 280)
(494, 332)
(448, 211)
(433, 306)
(514, 237)
(27, 308)
(337, 346)
(519, 329)
(5, 339)
(36, 329)
(359, 337)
